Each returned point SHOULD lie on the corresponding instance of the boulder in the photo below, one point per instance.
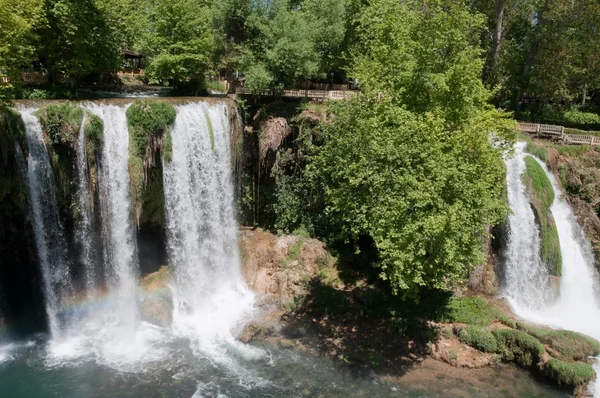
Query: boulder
(157, 304)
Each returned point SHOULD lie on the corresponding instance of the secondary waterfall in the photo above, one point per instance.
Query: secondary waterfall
(576, 307)
(83, 232)
(49, 235)
(119, 232)
(211, 297)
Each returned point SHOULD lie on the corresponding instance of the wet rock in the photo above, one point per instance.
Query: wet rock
(157, 303)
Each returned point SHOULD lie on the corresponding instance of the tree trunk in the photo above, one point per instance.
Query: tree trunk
(497, 38)
(584, 98)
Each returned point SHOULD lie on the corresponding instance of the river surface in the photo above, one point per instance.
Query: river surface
(26, 371)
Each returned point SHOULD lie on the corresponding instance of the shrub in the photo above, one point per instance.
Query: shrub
(568, 374)
(518, 347)
(541, 193)
(585, 120)
(478, 338)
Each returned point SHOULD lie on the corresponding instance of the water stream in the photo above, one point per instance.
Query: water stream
(576, 307)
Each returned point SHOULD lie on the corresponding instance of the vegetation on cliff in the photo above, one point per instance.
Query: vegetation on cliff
(541, 196)
(61, 124)
(149, 142)
(13, 188)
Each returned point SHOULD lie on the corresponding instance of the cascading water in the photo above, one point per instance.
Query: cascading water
(83, 232)
(49, 235)
(526, 281)
(211, 298)
(112, 332)
(576, 307)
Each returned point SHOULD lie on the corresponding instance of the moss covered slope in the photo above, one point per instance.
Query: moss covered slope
(541, 195)
(149, 141)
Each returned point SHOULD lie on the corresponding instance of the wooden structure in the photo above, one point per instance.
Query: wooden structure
(317, 95)
(558, 133)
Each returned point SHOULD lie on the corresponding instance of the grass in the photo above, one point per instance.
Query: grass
(518, 347)
(474, 311)
(295, 249)
(538, 151)
(541, 195)
(478, 338)
(568, 374)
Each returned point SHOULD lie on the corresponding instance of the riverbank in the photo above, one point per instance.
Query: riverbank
(323, 306)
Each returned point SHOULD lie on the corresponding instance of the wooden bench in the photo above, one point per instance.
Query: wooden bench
(551, 130)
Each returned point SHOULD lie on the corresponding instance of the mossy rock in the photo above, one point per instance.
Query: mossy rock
(147, 119)
(149, 138)
(61, 123)
(565, 344)
(518, 347)
(541, 196)
(568, 375)
(478, 338)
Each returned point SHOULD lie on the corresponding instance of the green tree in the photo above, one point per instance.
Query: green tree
(18, 18)
(179, 41)
(76, 39)
(415, 163)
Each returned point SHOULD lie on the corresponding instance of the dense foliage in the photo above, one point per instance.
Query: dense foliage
(410, 163)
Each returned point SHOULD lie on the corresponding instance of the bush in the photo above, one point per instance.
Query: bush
(568, 374)
(518, 347)
(584, 120)
(478, 338)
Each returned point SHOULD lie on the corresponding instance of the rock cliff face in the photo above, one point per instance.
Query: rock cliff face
(278, 268)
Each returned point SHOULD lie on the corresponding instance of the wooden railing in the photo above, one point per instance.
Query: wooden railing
(558, 132)
(310, 94)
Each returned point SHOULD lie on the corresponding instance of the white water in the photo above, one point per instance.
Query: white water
(577, 307)
(49, 235)
(212, 301)
(83, 227)
(112, 333)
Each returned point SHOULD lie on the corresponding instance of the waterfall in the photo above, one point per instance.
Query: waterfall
(526, 278)
(49, 235)
(576, 307)
(83, 231)
(211, 298)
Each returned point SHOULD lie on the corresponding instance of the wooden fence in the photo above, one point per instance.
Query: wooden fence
(310, 94)
(558, 133)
